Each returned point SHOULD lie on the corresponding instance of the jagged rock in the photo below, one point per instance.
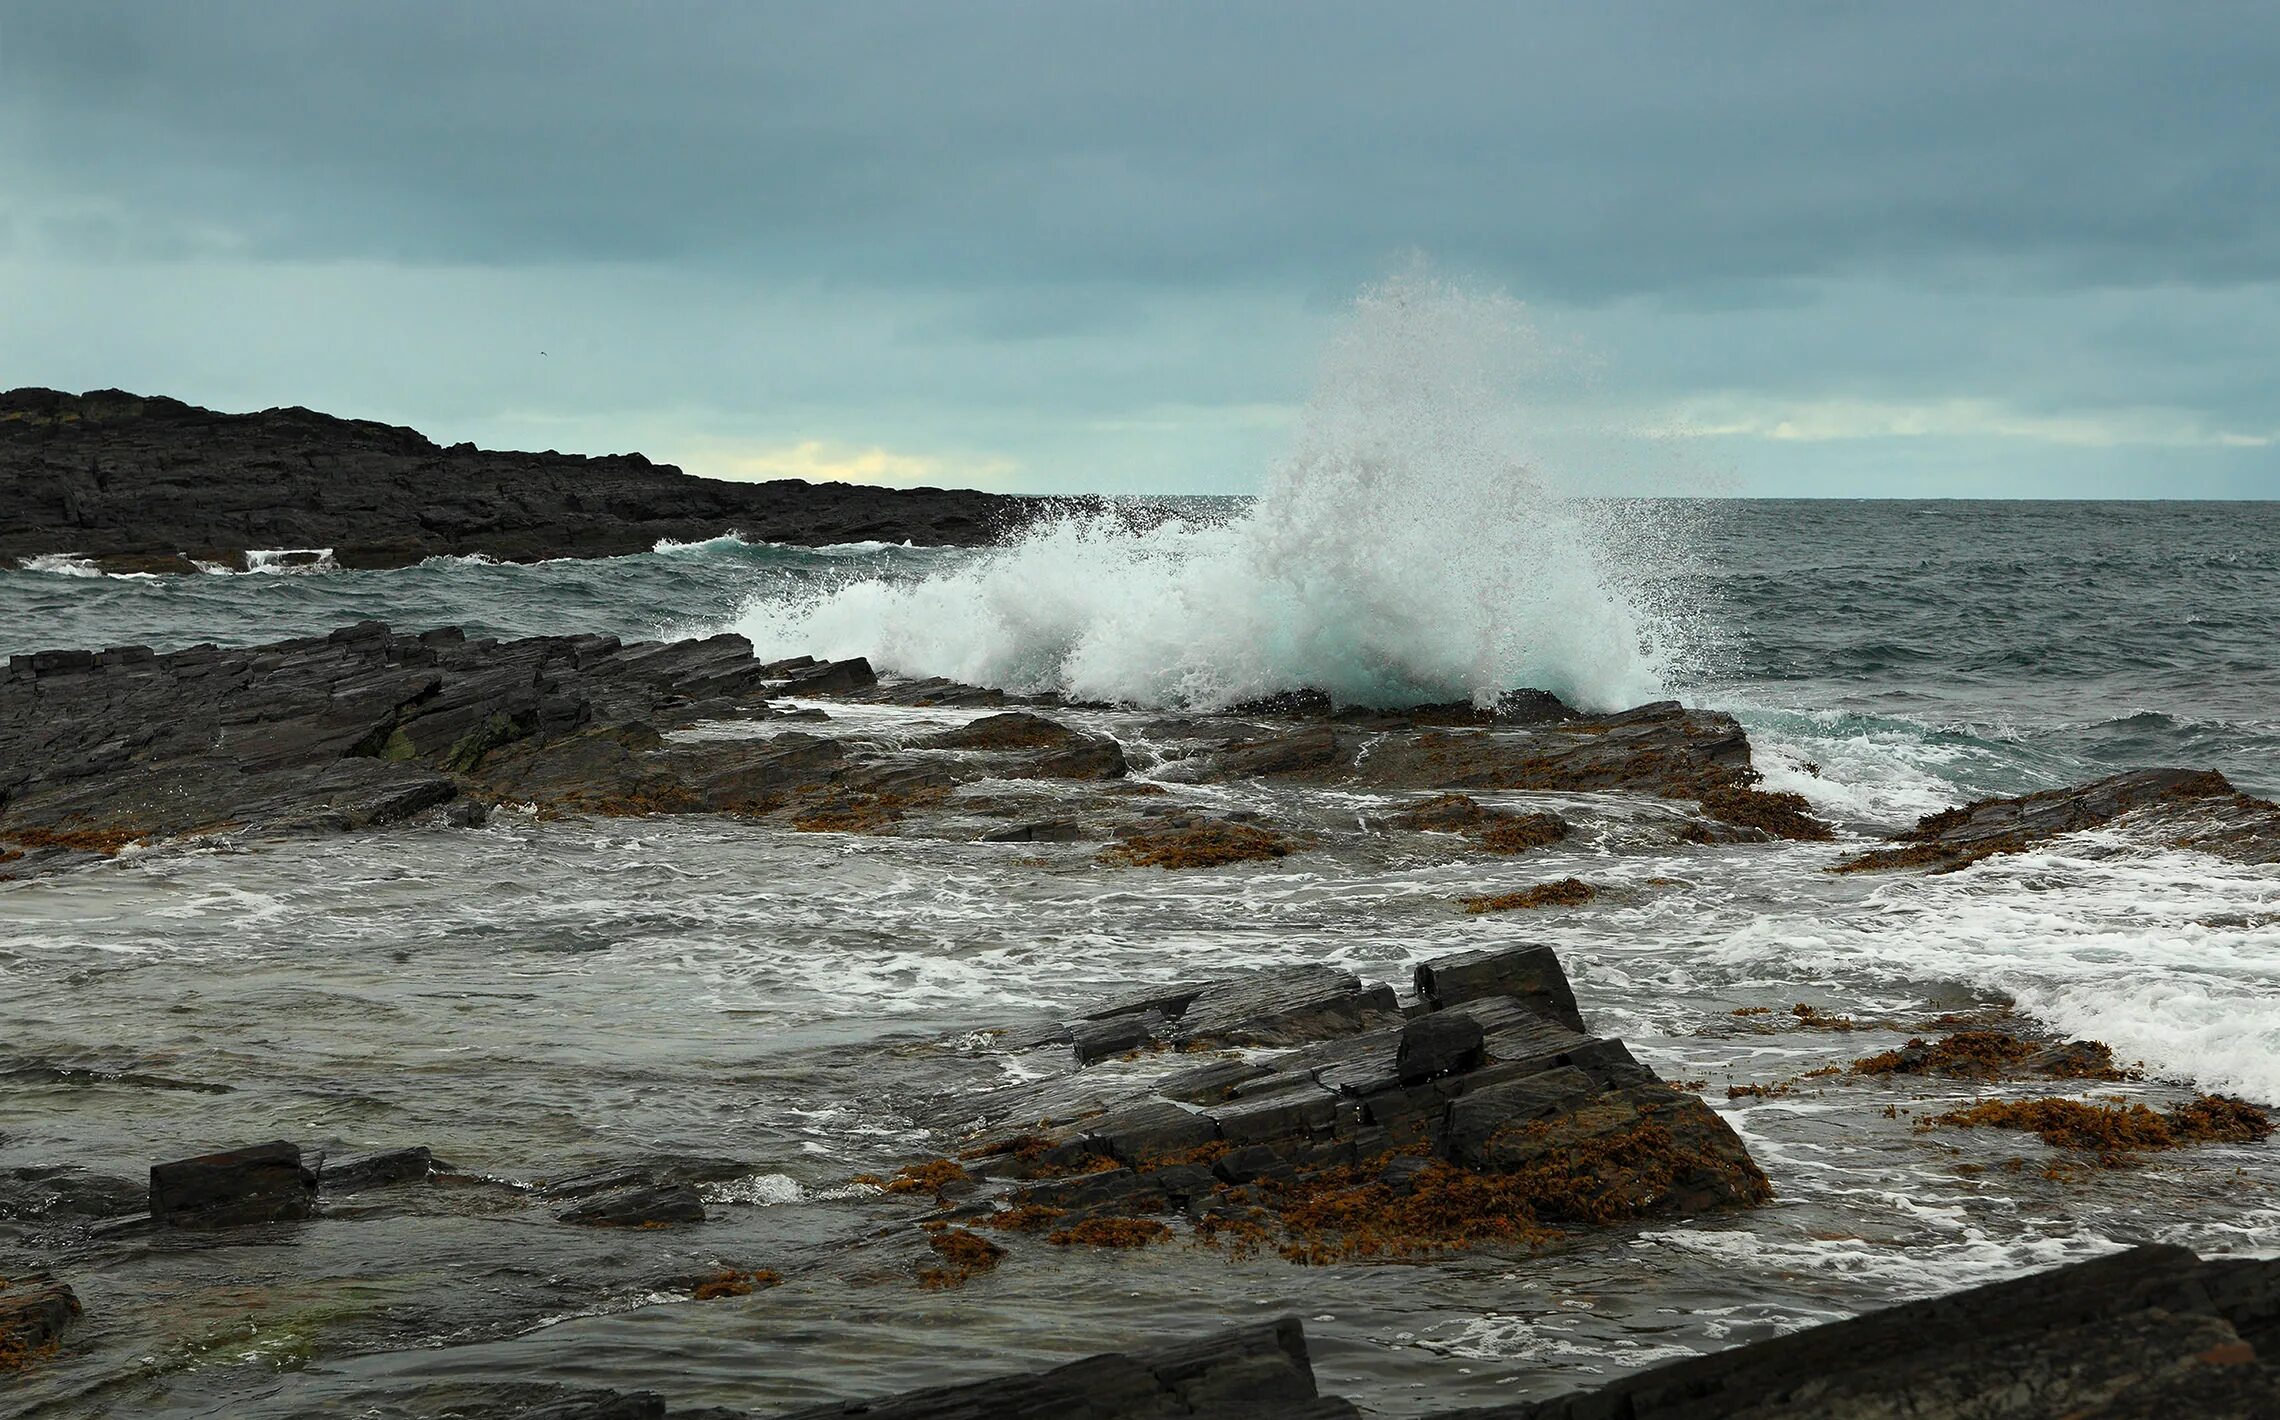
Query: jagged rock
(1250, 1373)
(1480, 1081)
(1530, 974)
(2149, 1332)
(178, 485)
(34, 1310)
(640, 1207)
(2186, 807)
(365, 728)
(262, 1183)
(832, 678)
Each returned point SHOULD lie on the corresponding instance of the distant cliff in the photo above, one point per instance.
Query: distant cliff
(153, 484)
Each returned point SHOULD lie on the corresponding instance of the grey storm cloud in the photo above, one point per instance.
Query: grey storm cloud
(936, 221)
(1583, 151)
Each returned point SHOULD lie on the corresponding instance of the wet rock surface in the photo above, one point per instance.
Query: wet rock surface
(261, 1183)
(1482, 1113)
(367, 727)
(1256, 1373)
(2153, 1331)
(2190, 808)
(141, 484)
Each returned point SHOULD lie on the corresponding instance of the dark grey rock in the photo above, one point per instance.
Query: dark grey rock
(262, 1183)
(149, 484)
(1250, 1373)
(1530, 974)
(656, 1205)
(381, 1170)
(2149, 1332)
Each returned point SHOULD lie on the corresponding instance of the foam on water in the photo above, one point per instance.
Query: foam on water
(1410, 548)
(2170, 957)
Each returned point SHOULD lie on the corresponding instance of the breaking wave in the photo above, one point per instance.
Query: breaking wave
(1412, 547)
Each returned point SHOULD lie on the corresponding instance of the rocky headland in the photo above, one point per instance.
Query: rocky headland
(131, 483)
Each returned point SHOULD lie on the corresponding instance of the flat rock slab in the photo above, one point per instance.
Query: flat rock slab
(1253, 1373)
(2153, 1331)
(661, 1205)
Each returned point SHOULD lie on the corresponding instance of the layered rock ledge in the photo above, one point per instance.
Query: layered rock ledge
(2147, 1334)
(138, 484)
(366, 727)
(2188, 808)
(1480, 1114)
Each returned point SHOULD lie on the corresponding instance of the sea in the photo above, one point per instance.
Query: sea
(536, 996)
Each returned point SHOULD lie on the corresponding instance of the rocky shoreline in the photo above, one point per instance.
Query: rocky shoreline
(1299, 1115)
(129, 483)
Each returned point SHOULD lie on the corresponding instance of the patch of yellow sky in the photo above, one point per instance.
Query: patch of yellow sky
(821, 461)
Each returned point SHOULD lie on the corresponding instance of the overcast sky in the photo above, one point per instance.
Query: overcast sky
(1884, 250)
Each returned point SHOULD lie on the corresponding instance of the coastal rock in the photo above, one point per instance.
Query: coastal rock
(261, 1183)
(140, 484)
(2185, 807)
(55, 1191)
(1389, 1125)
(382, 1170)
(34, 1310)
(1250, 1373)
(2153, 1331)
(2150, 1332)
(655, 1205)
(1662, 749)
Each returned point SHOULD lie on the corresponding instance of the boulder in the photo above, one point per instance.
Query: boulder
(1529, 974)
(261, 1183)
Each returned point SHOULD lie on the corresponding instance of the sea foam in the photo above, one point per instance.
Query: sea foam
(1408, 549)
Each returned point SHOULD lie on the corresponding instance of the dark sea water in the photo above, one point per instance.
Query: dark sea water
(537, 996)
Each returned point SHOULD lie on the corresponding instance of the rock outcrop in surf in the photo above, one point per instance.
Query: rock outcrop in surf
(2189, 808)
(366, 727)
(148, 484)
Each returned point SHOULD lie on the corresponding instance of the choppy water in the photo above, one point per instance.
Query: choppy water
(533, 997)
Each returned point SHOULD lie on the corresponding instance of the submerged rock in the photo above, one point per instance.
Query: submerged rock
(34, 1310)
(382, 1170)
(646, 1206)
(261, 1183)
